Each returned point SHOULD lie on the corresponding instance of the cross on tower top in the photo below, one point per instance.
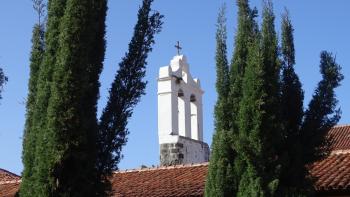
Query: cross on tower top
(178, 47)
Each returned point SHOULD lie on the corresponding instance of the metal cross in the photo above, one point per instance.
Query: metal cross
(178, 47)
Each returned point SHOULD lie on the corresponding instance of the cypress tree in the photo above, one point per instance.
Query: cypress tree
(66, 160)
(271, 135)
(246, 31)
(220, 180)
(30, 135)
(245, 36)
(226, 165)
(71, 129)
(97, 53)
(250, 116)
(222, 72)
(292, 96)
(322, 113)
(29, 138)
(271, 138)
(40, 176)
(259, 133)
(126, 90)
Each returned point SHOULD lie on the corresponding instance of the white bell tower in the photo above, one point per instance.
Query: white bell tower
(180, 115)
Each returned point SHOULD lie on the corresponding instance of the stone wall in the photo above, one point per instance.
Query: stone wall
(171, 154)
(184, 151)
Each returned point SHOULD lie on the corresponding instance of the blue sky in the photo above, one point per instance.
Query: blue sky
(319, 25)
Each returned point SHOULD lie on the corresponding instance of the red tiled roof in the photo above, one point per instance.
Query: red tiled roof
(9, 189)
(340, 138)
(331, 174)
(173, 181)
(8, 177)
(9, 183)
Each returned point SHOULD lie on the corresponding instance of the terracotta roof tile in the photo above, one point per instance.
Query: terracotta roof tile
(182, 180)
(331, 174)
(9, 183)
(6, 176)
(340, 138)
(9, 189)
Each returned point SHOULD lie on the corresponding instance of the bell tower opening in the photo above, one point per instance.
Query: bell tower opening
(194, 118)
(181, 113)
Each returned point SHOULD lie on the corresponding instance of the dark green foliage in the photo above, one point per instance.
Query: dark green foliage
(41, 173)
(39, 176)
(271, 136)
(222, 73)
(245, 36)
(220, 177)
(64, 120)
(96, 58)
(306, 140)
(66, 152)
(292, 96)
(288, 50)
(270, 140)
(259, 129)
(321, 114)
(71, 120)
(226, 166)
(250, 124)
(126, 91)
(247, 28)
(3, 80)
(29, 137)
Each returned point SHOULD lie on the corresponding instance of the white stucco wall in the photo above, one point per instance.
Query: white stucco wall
(171, 79)
(174, 113)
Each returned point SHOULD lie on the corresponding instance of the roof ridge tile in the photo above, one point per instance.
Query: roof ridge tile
(341, 125)
(162, 167)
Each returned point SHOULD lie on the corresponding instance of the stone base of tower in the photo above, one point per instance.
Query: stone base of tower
(182, 150)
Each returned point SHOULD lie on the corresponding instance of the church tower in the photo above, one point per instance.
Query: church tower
(180, 115)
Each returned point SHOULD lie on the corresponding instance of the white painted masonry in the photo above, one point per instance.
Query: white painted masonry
(180, 114)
